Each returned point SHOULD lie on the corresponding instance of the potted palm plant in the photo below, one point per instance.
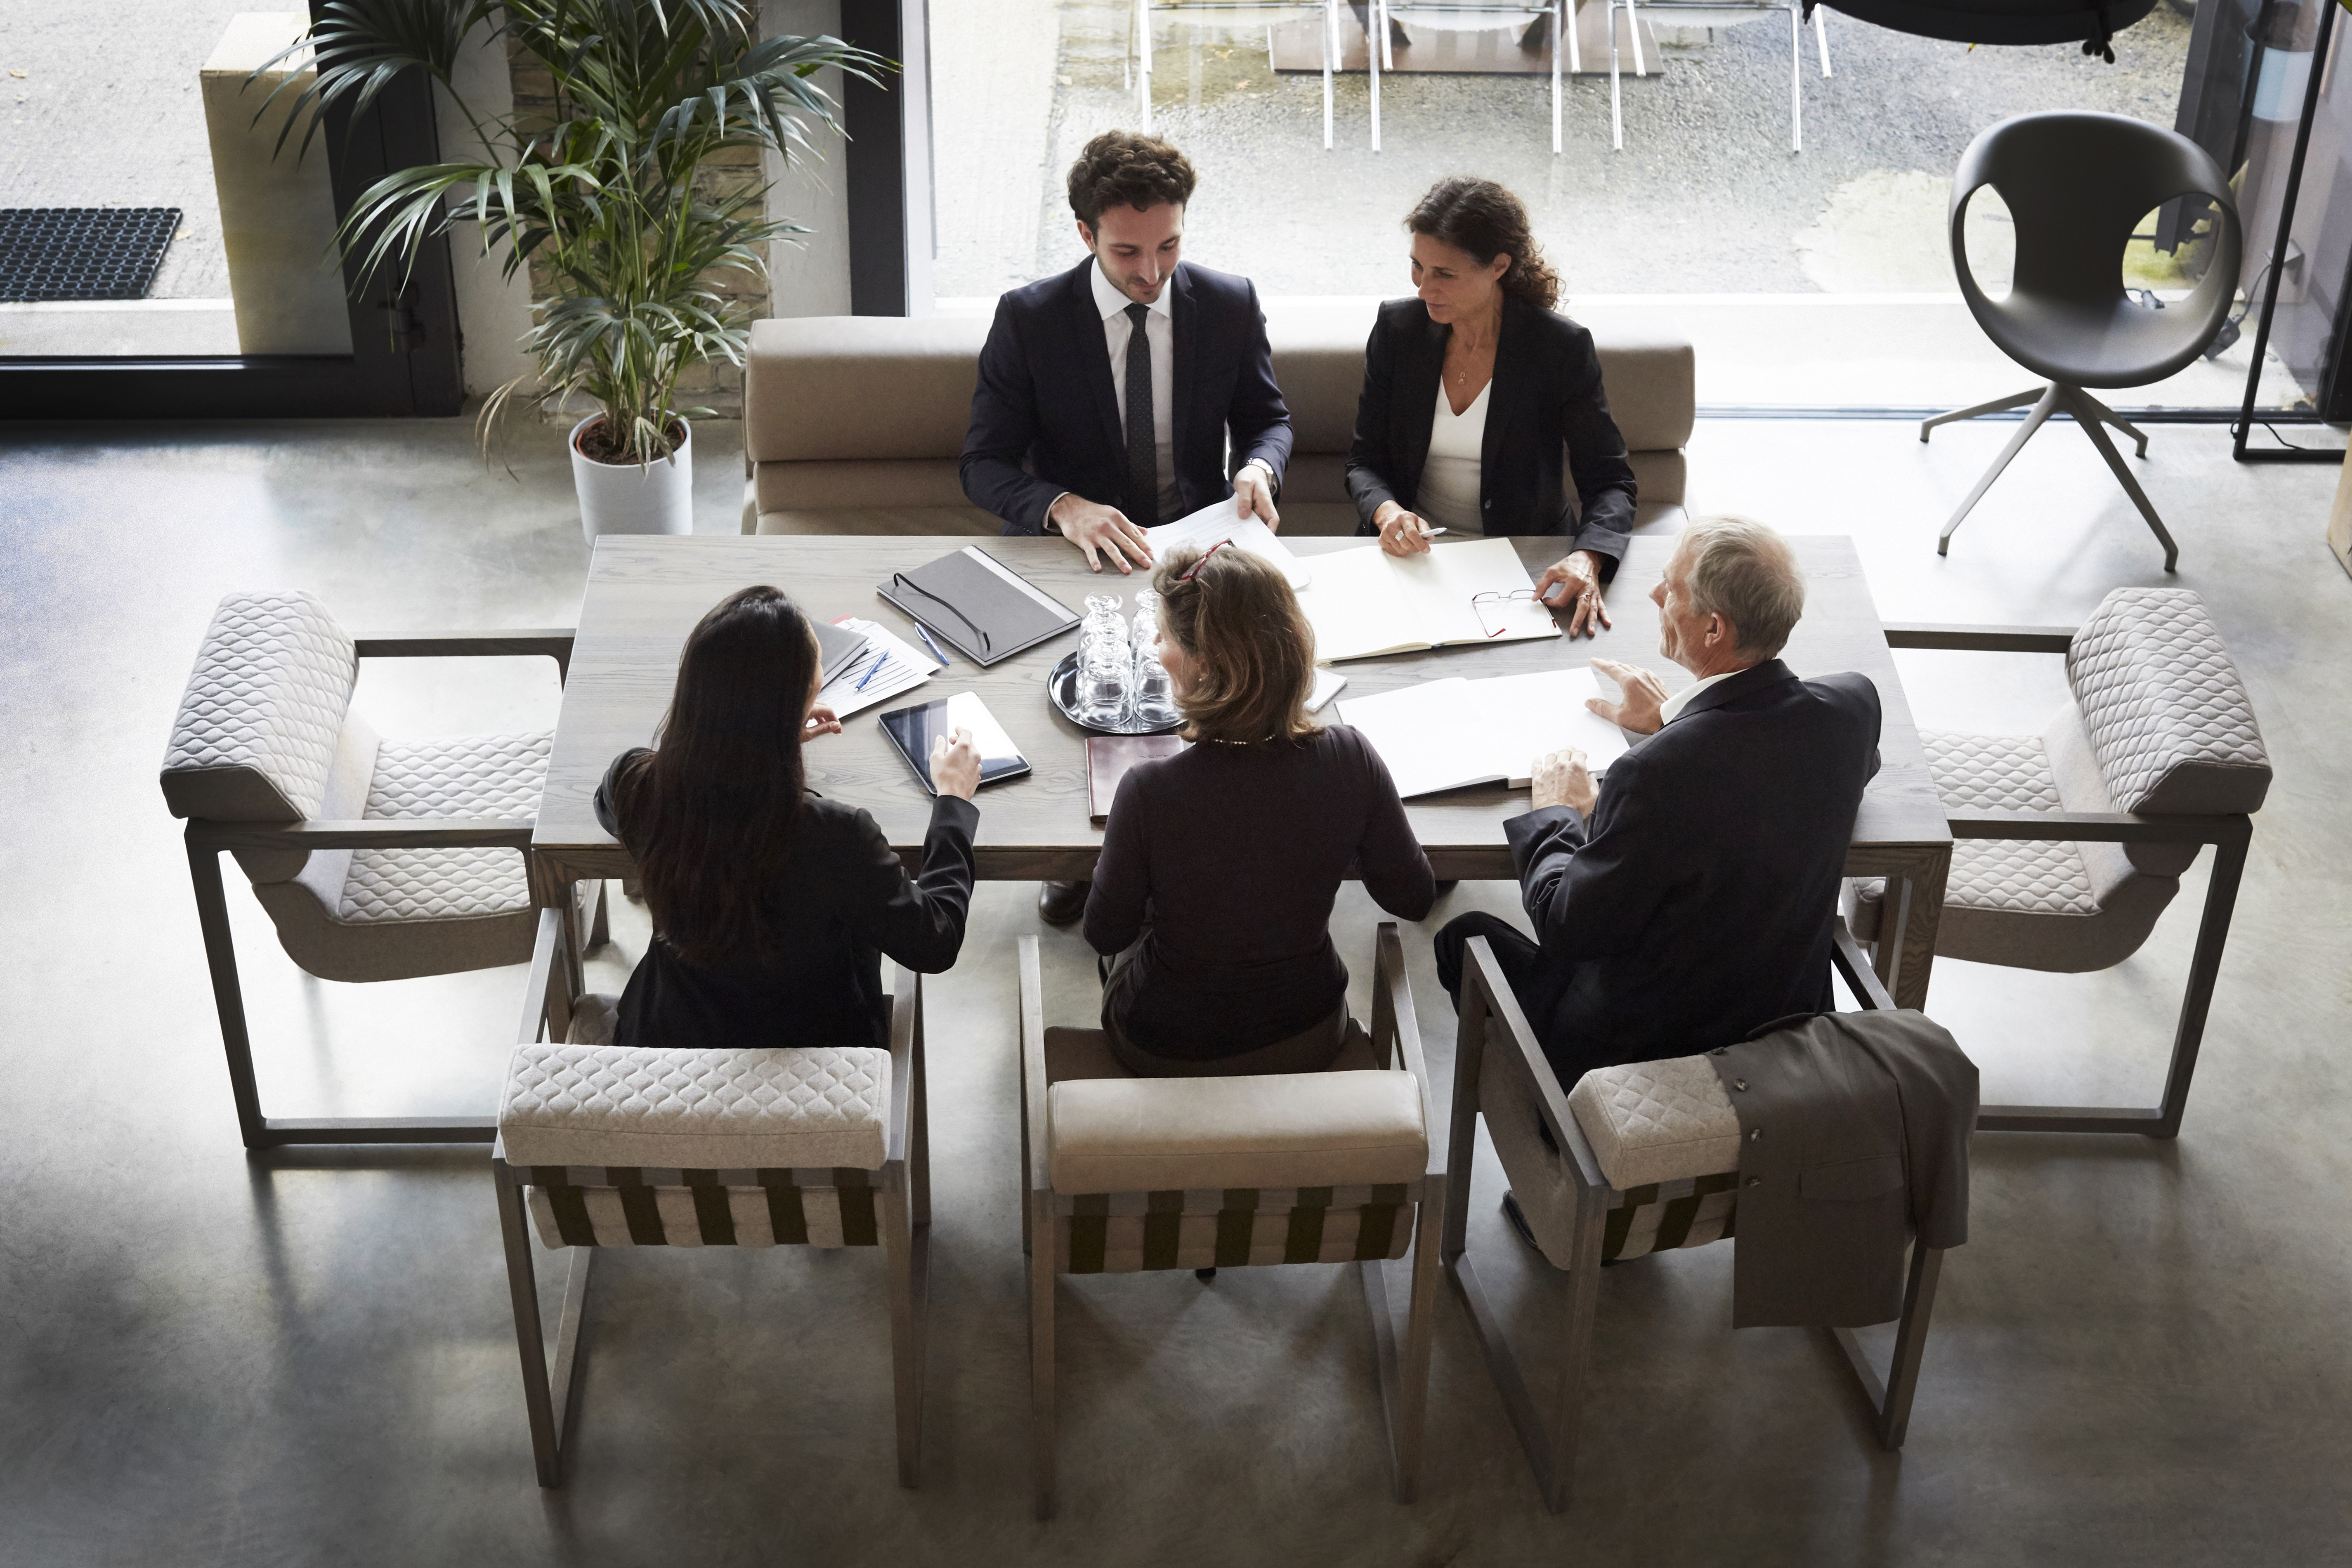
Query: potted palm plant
(633, 195)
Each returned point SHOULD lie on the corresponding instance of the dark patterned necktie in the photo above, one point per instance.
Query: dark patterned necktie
(1142, 444)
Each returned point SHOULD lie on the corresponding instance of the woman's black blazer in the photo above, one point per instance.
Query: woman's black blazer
(1546, 412)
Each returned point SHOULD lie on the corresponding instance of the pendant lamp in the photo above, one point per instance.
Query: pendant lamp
(2088, 22)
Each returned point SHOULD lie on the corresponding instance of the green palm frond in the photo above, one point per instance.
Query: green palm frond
(647, 92)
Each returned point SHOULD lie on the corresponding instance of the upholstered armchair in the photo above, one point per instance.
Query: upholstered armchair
(600, 1145)
(1125, 1174)
(376, 859)
(1630, 1161)
(2069, 844)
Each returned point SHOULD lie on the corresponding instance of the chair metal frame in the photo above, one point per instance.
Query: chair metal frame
(1402, 1367)
(2229, 835)
(1551, 1445)
(1796, 54)
(550, 1396)
(206, 840)
(1139, 49)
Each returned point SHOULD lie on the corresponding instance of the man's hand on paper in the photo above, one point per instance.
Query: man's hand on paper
(1573, 583)
(955, 764)
(1253, 496)
(822, 721)
(1096, 529)
(1402, 533)
(1642, 694)
(1562, 779)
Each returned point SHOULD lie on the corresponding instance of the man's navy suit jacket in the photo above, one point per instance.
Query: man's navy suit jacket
(1697, 903)
(1044, 414)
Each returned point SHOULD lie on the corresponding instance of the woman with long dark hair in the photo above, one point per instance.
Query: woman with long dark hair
(1212, 900)
(1476, 389)
(772, 906)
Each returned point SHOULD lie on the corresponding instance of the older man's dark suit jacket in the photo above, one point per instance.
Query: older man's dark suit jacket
(1547, 424)
(1044, 413)
(1696, 903)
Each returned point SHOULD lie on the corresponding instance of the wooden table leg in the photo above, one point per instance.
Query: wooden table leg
(1924, 884)
(550, 888)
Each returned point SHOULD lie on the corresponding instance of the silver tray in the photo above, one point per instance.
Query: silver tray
(1062, 686)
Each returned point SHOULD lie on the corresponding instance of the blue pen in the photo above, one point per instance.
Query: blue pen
(928, 643)
(880, 659)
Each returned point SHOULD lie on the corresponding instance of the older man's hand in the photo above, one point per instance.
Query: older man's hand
(1641, 695)
(1561, 779)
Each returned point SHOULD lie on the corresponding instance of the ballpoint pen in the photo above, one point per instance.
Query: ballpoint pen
(879, 660)
(923, 633)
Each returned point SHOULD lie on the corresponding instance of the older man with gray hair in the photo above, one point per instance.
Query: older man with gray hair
(1687, 897)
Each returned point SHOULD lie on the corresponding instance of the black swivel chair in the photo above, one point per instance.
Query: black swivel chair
(2077, 185)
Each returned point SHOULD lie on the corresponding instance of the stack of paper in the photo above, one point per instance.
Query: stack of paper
(1217, 520)
(1445, 734)
(1367, 601)
(886, 667)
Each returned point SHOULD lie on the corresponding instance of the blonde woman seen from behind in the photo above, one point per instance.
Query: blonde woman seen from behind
(1212, 897)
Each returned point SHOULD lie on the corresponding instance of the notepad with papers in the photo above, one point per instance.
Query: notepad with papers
(1366, 602)
(886, 665)
(1217, 520)
(1448, 734)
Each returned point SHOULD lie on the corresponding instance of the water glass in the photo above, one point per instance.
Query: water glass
(1154, 694)
(1103, 624)
(1147, 620)
(1105, 676)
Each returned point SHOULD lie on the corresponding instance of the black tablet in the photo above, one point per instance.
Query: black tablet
(913, 729)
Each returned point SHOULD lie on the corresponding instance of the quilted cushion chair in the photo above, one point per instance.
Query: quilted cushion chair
(855, 424)
(1127, 1174)
(376, 859)
(2157, 756)
(1630, 1161)
(603, 1145)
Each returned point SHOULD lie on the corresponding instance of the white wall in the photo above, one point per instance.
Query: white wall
(492, 313)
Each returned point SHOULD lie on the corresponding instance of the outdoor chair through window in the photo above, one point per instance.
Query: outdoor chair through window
(1720, 12)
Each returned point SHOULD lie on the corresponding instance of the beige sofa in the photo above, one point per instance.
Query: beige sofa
(853, 424)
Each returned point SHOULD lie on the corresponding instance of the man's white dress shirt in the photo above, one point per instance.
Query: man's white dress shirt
(1672, 708)
(1159, 331)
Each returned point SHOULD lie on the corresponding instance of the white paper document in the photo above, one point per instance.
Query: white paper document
(1446, 734)
(888, 666)
(1366, 602)
(1216, 520)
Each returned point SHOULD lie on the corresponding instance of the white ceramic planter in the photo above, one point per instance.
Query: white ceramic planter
(623, 498)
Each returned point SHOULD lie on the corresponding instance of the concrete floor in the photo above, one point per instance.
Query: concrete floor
(307, 1357)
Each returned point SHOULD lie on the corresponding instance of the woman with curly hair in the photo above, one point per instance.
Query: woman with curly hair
(1480, 402)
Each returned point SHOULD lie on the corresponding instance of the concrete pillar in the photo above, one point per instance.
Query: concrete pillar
(277, 216)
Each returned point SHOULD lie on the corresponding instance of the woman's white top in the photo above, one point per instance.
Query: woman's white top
(1449, 480)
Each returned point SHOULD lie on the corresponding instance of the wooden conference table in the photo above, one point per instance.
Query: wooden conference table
(644, 593)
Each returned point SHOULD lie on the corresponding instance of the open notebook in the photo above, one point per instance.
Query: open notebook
(1367, 601)
(1446, 734)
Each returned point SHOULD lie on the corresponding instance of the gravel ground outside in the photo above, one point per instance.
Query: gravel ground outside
(1706, 198)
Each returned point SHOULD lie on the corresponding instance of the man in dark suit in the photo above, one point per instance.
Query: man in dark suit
(1106, 393)
(1688, 898)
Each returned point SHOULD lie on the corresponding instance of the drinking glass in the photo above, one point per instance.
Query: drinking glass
(1105, 676)
(1154, 692)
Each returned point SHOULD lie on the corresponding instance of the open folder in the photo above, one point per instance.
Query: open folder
(1367, 601)
(1218, 521)
(1446, 734)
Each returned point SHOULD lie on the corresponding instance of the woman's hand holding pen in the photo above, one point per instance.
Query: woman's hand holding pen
(1403, 533)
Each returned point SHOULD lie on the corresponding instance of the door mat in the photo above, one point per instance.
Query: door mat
(82, 253)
